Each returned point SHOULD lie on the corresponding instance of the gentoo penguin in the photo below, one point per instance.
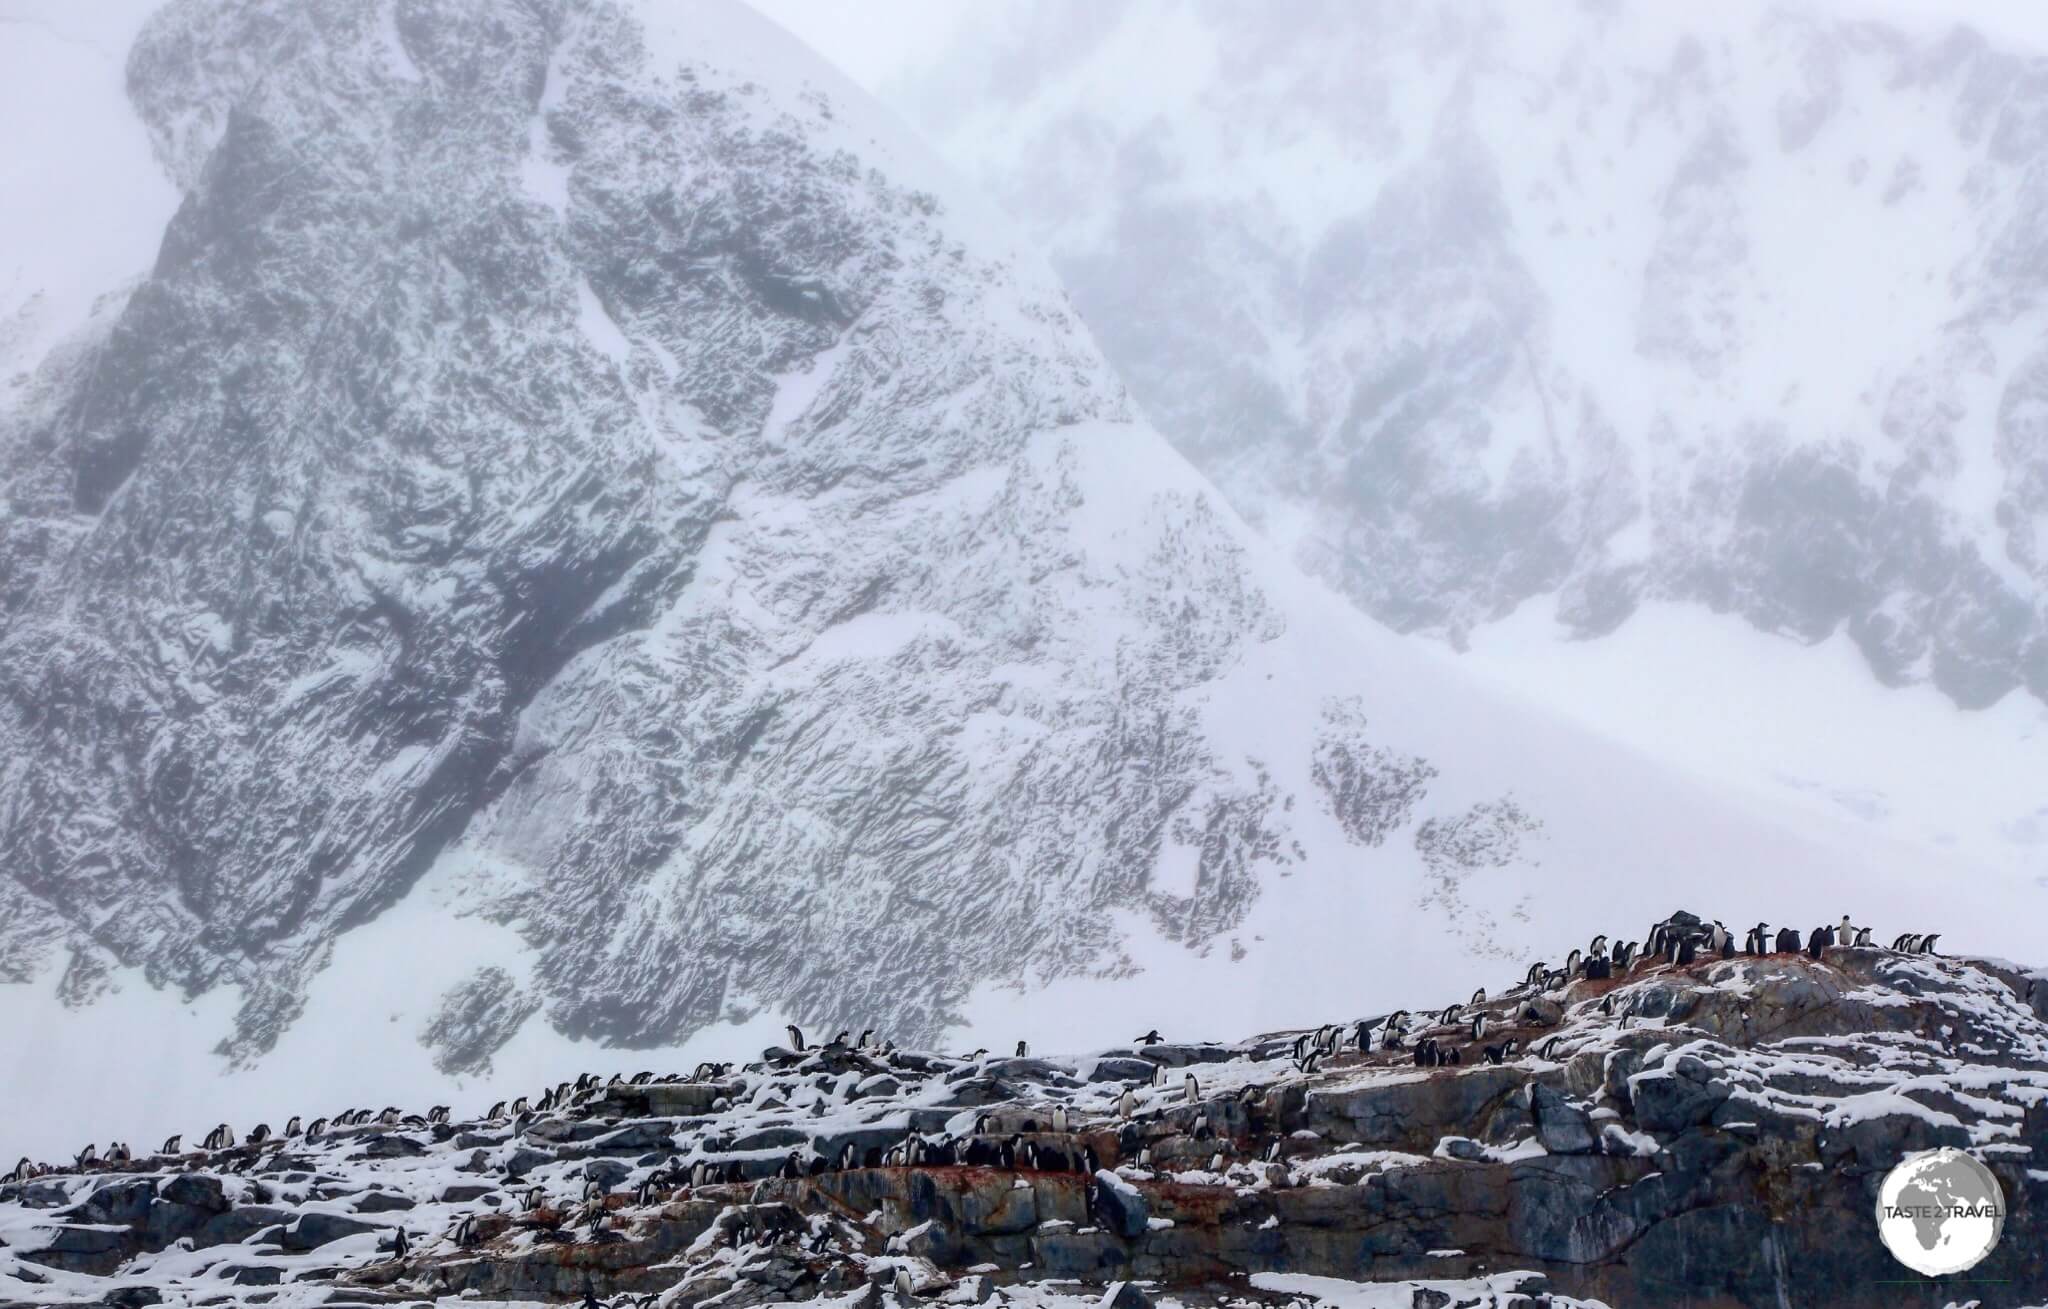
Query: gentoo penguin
(1599, 945)
(1534, 977)
(257, 1134)
(1549, 1050)
(438, 1114)
(1312, 1063)
(1127, 1104)
(1362, 1038)
(1059, 1118)
(1821, 939)
(1862, 936)
(293, 1127)
(1788, 941)
(1845, 934)
(1899, 941)
(1717, 940)
(1757, 940)
(21, 1170)
(171, 1144)
(465, 1231)
(1479, 996)
(315, 1128)
(1150, 1038)
(1927, 944)
(1571, 965)
(1479, 1028)
(1159, 1075)
(796, 1038)
(390, 1116)
(1191, 1089)
(1023, 1049)
(1426, 1053)
(792, 1167)
(903, 1286)
(86, 1156)
(220, 1138)
(1450, 1014)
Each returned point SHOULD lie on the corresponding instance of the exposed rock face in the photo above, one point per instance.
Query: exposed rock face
(1474, 307)
(1704, 1136)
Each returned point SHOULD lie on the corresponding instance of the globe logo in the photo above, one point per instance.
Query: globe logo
(1940, 1212)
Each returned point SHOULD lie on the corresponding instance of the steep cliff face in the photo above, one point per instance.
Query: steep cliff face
(576, 456)
(1706, 1135)
(1737, 307)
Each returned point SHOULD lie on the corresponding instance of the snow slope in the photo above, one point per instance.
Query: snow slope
(587, 534)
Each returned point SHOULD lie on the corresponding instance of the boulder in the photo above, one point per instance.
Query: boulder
(1561, 1126)
(316, 1229)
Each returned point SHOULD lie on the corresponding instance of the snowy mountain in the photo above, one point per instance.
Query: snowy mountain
(582, 531)
(1737, 306)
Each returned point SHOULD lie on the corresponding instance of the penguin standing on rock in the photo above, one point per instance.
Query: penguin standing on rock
(1788, 941)
(171, 1145)
(1819, 940)
(796, 1037)
(1191, 1089)
(1150, 1038)
(1757, 940)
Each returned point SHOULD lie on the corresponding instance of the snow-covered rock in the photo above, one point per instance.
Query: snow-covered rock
(586, 530)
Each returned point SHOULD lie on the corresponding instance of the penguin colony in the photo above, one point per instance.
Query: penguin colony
(1450, 1037)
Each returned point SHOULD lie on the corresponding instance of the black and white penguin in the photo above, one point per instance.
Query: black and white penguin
(1549, 1050)
(1426, 1053)
(220, 1138)
(23, 1170)
(796, 1037)
(293, 1127)
(792, 1167)
(1845, 932)
(1191, 1090)
(1479, 1027)
(1150, 1038)
(257, 1134)
(1159, 1075)
(1361, 1038)
(1821, 939)
(1478, 996)
(438, 1114)
(1059, 1118)
(1757, 940)
(397, 1247)
(1450, 1014)
(315, 1128)
(867, 1037)
(1598, 946)
(904, 1290)
(1534, 977)
(172, 1143)
(1312, 1064)
(1862, 936)
(1023, 1049)
(1788, 941)
(1927, 944)
(1127, 1104)
(1571, 965)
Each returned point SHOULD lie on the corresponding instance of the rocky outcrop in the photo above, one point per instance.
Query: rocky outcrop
(1710, 1135)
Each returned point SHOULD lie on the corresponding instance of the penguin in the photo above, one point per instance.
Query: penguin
(792, 1168)
(438, 1114)
(1534, 976)
(1899, 941)
(1310, 1065)
(257, 1134)
(1845, 934)
(1362, 1038)
(86, 1156)
(1607, 1005)
(1549, 1050)
(1717, 940)
(315, 1128)
(1159, 1075)
(293, 1128)
(796, 1038)
(1059, 1118)
(1479, 1028)
(465, 1231)
(1150, 1038)
(1127, 1104)
(1821, 939)
(399, 1244)
(1426, 1053)
(1862, 936)
(903, 1287)
(1023, 1050)
(1687, 947)
(1788, 941)
(1623, 954)
(22, 1170)
(1450, 1014)
(1756, 941)
(1571, 965)
(389, 1117)
(1479, 996)
(1927, 944)
(1191, 1089)
(1599, 945)
(220, 1138)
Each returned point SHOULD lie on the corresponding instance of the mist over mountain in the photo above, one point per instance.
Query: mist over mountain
(1466, 306)
(576, 529)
